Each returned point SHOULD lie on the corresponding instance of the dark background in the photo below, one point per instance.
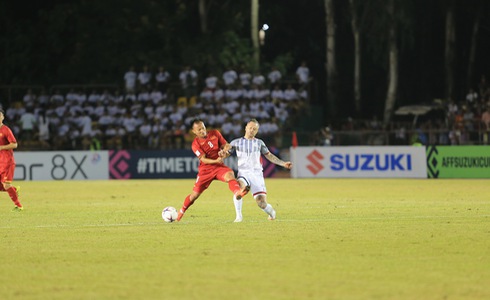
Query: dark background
(94, 42)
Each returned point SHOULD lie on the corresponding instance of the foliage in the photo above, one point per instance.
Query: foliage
(96, 41)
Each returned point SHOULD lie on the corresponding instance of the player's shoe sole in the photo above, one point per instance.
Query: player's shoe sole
(239, 195)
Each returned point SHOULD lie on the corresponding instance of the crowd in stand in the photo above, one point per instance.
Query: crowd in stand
(149, 114)
(464, 122)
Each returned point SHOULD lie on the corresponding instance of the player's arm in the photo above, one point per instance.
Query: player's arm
(8, 146)
(210, 161)
(225, 151)
(199, 152)
(275, 160)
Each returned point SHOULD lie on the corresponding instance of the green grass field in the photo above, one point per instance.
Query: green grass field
(333, 239)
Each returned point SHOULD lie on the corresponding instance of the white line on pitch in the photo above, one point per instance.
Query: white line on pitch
(249, 221)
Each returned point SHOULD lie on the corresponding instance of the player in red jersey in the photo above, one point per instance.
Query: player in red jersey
(7, 162)
(209, 147)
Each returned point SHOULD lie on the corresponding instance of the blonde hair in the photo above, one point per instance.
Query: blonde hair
(255, 121)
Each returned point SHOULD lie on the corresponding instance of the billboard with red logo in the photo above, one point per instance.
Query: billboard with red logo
(359, 162)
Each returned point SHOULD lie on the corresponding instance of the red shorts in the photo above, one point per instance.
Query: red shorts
(7, 172)
(206, 175)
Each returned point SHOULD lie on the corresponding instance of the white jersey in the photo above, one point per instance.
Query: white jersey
(249, 153)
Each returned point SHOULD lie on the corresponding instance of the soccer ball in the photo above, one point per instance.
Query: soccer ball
(169, 214)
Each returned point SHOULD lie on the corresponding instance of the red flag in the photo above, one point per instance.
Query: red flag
(294, 141)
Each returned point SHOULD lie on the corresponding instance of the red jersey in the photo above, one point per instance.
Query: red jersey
(209, 146)
(6, 137)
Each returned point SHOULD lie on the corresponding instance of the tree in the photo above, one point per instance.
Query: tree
(449, 54)
(330, 65)
(359, 12)
(254, 31)
(393, 62)
(477, 10)
(203, 15)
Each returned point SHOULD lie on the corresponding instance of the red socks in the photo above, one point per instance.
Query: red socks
(13, 195)
(187, 203)
(234, 186)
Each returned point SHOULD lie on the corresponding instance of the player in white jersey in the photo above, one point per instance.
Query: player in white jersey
(250, 173)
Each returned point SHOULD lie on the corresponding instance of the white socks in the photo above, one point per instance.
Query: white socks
(270, 211)
(238, 208)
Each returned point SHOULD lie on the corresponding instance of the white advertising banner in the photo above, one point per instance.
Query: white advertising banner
(61, 165)
(359, 162)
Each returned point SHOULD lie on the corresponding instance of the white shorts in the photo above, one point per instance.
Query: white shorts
(255, 181)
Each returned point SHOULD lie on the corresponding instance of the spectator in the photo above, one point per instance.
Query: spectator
(219, 94)
(112, 108)
(84, 122)
(44, 130)
(130, 98)
(162, 79)
(130, 80)
(277, 93)
(143, 96)
(61, 137)
(29, 99)
(156, 129)
(95, 141)
(71, 97)
(188, 79)
(303, 74)
(43, 99)
(81, 97)
(94, 97)
(245, 78)
(129, 123)
(229, 77)
(27, 124)
(207, 94)
(211, 82)
(178, 134)
(258, 79)
(274, 76)
(105, 120)
(290, 93)
(485, 119)
(105, 97)
(149, 111)
(326, 136)
(144, 134)
(156, 96)
(144, 77)
(484, 88)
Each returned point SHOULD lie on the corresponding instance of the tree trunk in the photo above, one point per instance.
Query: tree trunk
(330, 57)
(203, 16)
(393, 64)
(356, 31)
(255, 33)
(471, 59)
(449, 51)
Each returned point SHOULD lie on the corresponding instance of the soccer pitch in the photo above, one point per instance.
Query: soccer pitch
(333, 239)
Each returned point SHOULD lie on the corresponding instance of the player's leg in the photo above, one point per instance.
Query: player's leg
(201, 184)
(261, 200)
(188, 201)
(7, 177)
(226, 174)
(260, 194)
(242, 181)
